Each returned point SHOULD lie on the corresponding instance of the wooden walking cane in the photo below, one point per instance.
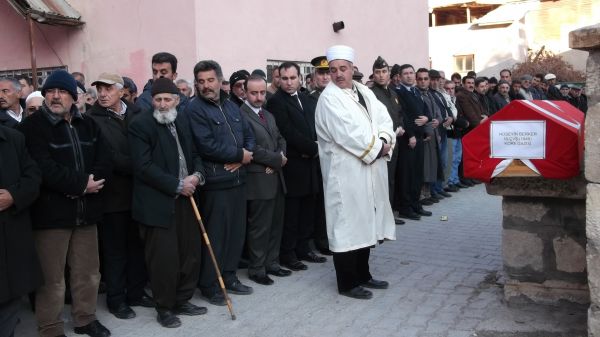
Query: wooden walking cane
(212, 256)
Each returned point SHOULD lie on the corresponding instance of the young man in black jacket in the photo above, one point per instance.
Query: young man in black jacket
(75, 161)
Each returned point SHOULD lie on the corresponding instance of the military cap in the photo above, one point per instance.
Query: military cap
(379, 63)
(395, 70)
(320, 62)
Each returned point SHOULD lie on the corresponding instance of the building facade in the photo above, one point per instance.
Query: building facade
(122, 36)
(487, 36)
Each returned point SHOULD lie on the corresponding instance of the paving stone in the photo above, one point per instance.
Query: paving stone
(435, 269)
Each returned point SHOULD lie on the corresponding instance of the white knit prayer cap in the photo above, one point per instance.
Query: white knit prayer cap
(340, 52)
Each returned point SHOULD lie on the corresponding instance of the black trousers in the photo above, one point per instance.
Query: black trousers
(298, 227)
(173, 257)
(409, 177)
(352, 268)
(263, 237)
(9, 317)
(392, 172)
(224, 214)
(124, 269)
(320, 231)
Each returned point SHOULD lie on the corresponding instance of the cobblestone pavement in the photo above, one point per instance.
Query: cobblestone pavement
(442, 278)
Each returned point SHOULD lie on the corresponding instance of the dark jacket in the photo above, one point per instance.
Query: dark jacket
(220, 135)
(267, 153)
(297, 126)
(469, 107)
(579, 102)
(20, 271)
(6, 120)
(67, 154)
(119, 188)
(144, 101)
(413, 107)
(390, 99)
(500, 101)
(156, 167)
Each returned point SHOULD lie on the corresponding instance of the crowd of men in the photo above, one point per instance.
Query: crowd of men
(97, 183)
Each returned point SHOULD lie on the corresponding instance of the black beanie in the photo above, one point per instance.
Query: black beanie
(60, 79)
(164, 86)
(237, 76)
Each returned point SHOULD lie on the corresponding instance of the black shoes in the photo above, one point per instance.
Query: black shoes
(313, 258)
(451, 188)
(94, 329)
(236, 287)
(261, 279)
(423, 212)
(280, 272)
(358, 293)
(294, 265)
(409, 215)
(445, 194)
(376, 284)
(122, 311)
(216, 299)
(168, 319)
(189, 309)
(426, 201)
(398, 221)
(144, 301)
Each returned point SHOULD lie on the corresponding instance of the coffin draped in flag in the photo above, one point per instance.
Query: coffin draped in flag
(547, 136)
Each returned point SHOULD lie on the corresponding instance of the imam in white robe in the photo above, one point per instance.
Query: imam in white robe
(357, 206)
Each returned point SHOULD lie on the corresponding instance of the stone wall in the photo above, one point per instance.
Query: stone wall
(543, 238)
(588, 38)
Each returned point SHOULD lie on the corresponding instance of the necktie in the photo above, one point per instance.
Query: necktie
(295, 95)
(261, 115)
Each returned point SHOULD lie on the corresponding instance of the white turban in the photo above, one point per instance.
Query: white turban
(33, 95)
(340, 52)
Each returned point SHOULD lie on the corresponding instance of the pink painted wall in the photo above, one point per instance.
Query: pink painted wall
(122, 36)
(244, 34)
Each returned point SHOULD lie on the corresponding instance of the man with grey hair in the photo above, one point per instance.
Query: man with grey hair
(122, 250)
(11, 111)
(225, 141)
(185, 87)
(356, 139)
(525, 90)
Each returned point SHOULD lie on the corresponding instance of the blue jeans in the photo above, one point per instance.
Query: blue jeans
(456, 158)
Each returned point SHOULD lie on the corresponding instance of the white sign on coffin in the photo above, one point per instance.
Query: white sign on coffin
(518, 139)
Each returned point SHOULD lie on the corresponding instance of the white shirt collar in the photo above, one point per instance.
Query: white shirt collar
(17, 117)
(256, 110)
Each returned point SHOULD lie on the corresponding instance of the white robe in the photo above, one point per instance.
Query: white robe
(357, 206)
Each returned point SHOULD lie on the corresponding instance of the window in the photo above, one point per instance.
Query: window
(42, 73)
(305, 68)
(464, 63)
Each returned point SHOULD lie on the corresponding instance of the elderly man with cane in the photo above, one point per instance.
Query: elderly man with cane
(356, 138)
(167, 170)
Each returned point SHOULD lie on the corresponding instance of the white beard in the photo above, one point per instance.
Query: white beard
(165, 117)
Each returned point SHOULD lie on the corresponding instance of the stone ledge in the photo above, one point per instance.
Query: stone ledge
(585, 38)
(549, 292)
(573, 188)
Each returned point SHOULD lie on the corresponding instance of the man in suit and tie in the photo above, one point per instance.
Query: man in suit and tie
(295, 116)
(266, 186)
(411, 146)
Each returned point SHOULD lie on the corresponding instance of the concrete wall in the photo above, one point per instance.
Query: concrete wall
(122, 36)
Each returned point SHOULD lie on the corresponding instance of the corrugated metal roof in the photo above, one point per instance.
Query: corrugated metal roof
(53, 12)
(508, 13)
